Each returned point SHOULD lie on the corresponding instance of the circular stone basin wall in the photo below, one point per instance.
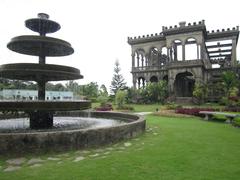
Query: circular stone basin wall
(45, 141)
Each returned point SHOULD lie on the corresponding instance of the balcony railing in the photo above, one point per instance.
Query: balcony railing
(173, 64)
(148, 68)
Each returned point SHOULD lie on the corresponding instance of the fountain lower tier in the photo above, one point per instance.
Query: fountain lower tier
(39, 72)
(44, 105)
(41, 112)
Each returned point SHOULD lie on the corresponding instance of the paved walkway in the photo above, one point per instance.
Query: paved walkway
(143, 113)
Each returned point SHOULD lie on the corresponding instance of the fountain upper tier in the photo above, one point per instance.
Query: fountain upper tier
(41, 46)
(42, 24)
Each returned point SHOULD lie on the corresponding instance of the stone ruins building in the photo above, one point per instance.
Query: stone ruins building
(184, 55)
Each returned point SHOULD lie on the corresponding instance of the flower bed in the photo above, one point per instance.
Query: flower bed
(107, 107)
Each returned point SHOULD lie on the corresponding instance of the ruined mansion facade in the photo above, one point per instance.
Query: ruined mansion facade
(184, 55)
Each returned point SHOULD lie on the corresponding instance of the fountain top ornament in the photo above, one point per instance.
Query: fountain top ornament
(41, 112)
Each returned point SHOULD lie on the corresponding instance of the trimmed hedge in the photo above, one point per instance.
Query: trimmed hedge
(236, 122)
(194, 111)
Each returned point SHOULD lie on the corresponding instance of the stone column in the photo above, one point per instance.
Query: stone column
(198, 51)
(142, 61)
(175, 52)
(234, 52)
(183, 51)
(171, 53)
(168, 53)
(137, 60)
(171, 86)
(134, 83)
(133, 60)
(143, 83)
(202, 51)
(139, 83)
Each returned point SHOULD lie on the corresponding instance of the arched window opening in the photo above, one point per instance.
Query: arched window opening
(177, 50)
(153, 56)
(192, 50)
(140, 59)
(153, 79)
(141, 82)
(184, 84)
(163, 58)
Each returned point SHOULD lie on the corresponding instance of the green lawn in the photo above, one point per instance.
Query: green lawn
(171, 148)
(145, 107)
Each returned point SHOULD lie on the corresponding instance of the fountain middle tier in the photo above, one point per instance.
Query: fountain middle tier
(40, 45)
(36, 72)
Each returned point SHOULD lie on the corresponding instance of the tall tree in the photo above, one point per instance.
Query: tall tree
(72, 86)
(118, 82)
(103, 90)
(90, 90)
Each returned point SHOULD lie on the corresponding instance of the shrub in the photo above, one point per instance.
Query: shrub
(102, 100)
(172, 106)
(200, 92)
(232, 109)
(219, 118)
(236, 122)
(107, 107)
(223, 101)
(193, 111)
(120, 98)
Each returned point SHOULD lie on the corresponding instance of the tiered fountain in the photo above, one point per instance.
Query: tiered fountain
(40, 135)
(41, 111)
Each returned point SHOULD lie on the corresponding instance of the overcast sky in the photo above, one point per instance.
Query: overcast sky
(98, 29)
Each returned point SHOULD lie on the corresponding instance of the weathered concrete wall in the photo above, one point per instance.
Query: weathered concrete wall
(73, 139)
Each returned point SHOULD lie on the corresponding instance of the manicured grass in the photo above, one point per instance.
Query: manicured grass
(171, 148)
(145, 107)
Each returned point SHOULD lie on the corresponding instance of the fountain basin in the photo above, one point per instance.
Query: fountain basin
(72, 139)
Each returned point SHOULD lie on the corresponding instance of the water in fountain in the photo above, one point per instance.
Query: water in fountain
(59, 123)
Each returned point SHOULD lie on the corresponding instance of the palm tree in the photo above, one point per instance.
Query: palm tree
(230, 81)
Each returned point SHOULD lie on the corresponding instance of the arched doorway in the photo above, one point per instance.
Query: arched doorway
(183, 85)
(153, 79)
(165, 78)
